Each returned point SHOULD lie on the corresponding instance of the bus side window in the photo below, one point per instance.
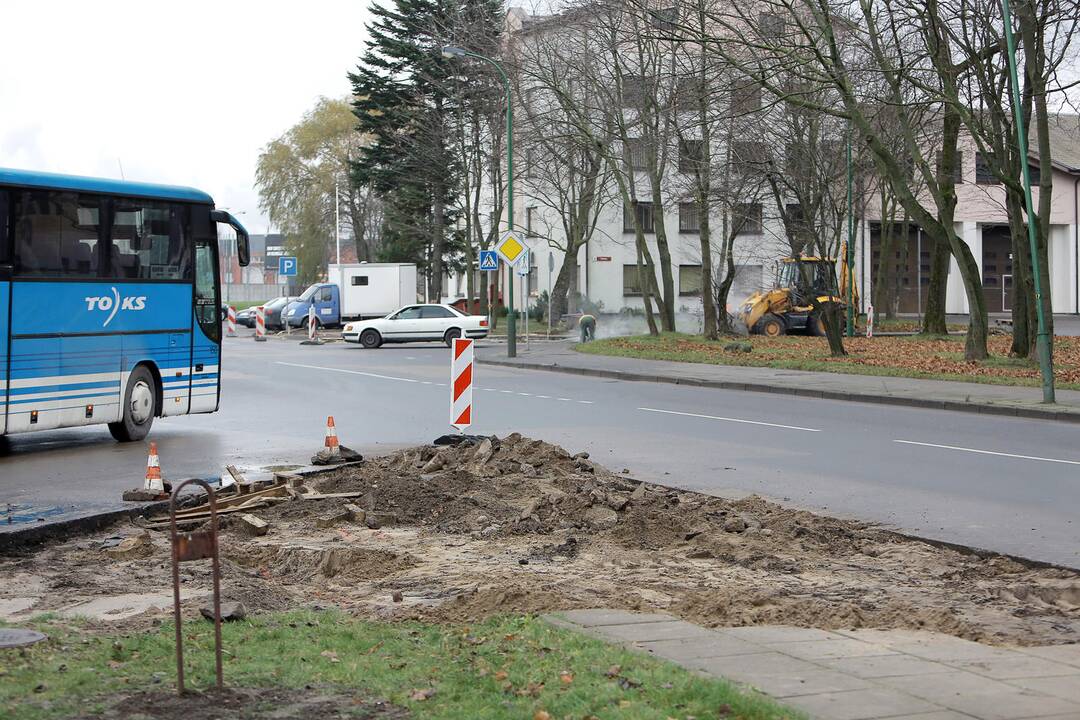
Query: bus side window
(56, 234)
(5, 236)
(149, 241)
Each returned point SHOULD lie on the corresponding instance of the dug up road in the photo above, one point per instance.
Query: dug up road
(520, 525)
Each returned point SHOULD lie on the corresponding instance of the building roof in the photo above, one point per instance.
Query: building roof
(78, 183)
(1064, 141)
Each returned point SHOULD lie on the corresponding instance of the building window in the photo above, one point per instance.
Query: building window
(691, 153)
(1033, 171)
(630, 280)
(634, 149)
(770, 25)
(746, 218)
(643, 211)
(664, 19)
(958, 171)
(748, 156)
(359, 280)
(534, 277)
(745, 97)
(688, 92)
(983, 174)
(530, 215)
(689, 220)
(634, 91)
(690, 280)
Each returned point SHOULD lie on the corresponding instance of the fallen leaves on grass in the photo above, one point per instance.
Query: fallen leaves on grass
(422, 694)
(916, 356)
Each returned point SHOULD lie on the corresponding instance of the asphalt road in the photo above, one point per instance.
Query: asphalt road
(1006, 484)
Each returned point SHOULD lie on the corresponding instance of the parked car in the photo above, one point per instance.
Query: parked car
(274, 314)
(246, 317)
(416, 323)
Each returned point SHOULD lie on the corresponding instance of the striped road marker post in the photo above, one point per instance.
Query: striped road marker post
(461, 371)
(312, 327)
(232, 321)
(260, 324)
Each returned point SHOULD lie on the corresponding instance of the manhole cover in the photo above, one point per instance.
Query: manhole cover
(17, 637)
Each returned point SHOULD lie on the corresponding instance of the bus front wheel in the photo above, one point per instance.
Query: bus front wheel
(140, 407)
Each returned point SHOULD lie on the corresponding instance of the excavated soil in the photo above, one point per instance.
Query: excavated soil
(519, 525)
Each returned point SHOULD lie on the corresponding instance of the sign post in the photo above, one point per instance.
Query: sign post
(461, 365)
(489, 263)
(509, 249)
(287, 266)
(551, 269)
(523, 264)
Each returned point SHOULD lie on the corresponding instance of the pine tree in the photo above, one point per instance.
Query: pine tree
(402, 99)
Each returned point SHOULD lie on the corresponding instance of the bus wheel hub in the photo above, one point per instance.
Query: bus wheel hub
(142, 403)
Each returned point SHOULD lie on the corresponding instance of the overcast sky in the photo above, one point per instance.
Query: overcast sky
(181, 93)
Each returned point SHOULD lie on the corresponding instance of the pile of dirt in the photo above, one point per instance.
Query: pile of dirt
(231, 703)
(519, 525)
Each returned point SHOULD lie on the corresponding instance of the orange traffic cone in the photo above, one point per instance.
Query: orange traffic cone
(331, 445)
(153, 483)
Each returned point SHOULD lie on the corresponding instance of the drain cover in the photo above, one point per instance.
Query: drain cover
(18, 637)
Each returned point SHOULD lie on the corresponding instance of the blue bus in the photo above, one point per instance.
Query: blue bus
(109, 302)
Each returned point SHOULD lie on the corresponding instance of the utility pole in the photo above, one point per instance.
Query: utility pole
(849, 247)
(1046, 361)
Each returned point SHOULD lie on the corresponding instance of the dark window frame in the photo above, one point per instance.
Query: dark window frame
(691, 155)
(632, 289)
(362, 278)
(748, 223)
(647, 217)
(690, 293)
(983, 174)
(689, 210)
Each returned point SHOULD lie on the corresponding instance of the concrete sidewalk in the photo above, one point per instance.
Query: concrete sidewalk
(858, 674)
(936, 394)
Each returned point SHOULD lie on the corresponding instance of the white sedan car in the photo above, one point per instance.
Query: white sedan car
(416, 323)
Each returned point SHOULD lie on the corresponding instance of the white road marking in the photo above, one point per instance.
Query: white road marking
(421, 382)
(349, 372)
(990, 452)
(728, 419)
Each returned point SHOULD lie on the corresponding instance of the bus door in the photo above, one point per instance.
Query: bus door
(206, 334)
(5, 300)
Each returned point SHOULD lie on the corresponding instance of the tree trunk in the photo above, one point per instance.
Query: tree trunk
(724, 324)
(934, 312)
(646, 291)
(881, 299)
(435, 272)
(559, 302)
(708, 306)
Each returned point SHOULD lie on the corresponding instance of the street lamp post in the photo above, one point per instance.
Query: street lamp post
(451, 51)
(1046, 361)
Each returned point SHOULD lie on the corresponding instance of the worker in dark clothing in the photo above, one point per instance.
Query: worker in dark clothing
(587, 325)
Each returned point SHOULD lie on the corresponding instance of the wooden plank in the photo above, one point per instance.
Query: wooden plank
(163, 522)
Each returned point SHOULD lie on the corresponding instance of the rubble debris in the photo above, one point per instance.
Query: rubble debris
(356, 513)
(396, 596)
(141, 495)
(229, 611)
(344, 455)
(590, 539)
(252, 525)
(335, 518)
(133, 546)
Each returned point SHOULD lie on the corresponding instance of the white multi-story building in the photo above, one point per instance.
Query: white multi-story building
(607, 270)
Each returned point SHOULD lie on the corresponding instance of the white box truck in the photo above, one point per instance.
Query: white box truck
(356, 291)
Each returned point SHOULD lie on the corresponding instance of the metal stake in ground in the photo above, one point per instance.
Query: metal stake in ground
(461, 365)
(195, 546)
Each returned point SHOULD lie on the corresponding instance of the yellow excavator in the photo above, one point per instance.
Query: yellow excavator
(802, 283)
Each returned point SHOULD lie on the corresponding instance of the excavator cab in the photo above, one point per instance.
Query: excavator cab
(805, 286)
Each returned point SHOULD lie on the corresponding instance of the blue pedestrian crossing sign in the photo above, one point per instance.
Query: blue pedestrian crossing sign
(287, 266)
(489, 260)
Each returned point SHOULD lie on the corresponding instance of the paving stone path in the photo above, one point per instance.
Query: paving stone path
(858, 674)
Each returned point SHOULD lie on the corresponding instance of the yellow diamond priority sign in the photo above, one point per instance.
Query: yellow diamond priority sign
(510, 249)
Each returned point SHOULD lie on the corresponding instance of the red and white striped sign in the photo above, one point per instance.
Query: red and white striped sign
(312, 326)
(461, 366)
(232, 321)
(260, 323)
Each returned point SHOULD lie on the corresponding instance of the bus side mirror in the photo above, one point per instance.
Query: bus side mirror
(243, 244)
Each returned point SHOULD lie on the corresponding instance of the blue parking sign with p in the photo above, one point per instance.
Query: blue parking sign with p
(489, 260)
(287, 266)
